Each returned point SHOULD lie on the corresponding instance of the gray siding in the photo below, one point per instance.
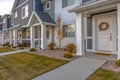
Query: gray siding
(19, 19)
(51, 11)
(19, 2)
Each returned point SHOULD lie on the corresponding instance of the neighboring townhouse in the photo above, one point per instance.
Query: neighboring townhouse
(98, 27)
(5, 25)
(60, 8)
(34, 22)
(31, 23)
(68, 20)
(0, 29)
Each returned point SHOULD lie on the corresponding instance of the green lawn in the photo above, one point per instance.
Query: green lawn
(25, 66)
(6, 49)
(105, 75)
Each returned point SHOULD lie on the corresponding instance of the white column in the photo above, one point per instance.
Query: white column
(32, 37)
(79, 33)
(39, 39)
(11, 35)
(118, 21)
(15, 37)
(43, 36)
(2, 38)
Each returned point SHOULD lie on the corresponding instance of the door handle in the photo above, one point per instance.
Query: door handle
(110, 36)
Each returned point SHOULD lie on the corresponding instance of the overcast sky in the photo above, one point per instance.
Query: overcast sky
(6, 6)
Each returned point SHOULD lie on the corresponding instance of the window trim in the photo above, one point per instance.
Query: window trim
(16, 14)
(4, 20)
(48, 2)
(26, 6)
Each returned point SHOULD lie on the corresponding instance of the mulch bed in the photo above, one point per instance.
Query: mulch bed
(58, 54)
(110, 65)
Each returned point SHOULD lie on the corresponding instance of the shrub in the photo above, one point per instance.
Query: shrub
(14, 47)
(32, 50)
(70, 47)
(118, 63)
(6, 44)
(51, 46)
(68, 55)
(21, 47)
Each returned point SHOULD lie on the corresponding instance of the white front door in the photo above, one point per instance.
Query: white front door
(104, 37)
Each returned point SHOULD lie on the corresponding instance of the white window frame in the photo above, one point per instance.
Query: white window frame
(4, 20)
(49, 2)
(25, 15)
(15, 14)
(67, 27)
(12, 21)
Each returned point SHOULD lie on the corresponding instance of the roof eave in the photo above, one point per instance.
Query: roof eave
(92, 5)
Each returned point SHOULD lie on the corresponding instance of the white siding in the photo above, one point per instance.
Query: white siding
(66, 18)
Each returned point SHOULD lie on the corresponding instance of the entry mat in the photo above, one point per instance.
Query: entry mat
(104, 54)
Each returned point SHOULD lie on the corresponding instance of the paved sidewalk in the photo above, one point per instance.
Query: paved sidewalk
(13, 52)
(79, 69)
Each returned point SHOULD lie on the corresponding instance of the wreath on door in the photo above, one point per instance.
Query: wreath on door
(103, 26)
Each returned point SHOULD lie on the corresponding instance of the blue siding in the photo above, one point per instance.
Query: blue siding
(38, 5)
(1, 27)
(9, 23)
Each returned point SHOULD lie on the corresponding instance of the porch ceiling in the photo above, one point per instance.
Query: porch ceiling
(102, 9)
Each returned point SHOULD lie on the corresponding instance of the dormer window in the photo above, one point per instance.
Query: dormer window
(66, 3)
(25, 12)
(48, 5)
(15, 14)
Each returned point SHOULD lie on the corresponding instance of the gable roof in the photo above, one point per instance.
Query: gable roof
(45, 17)
(41, 17)
(17, 3)
(14, 5)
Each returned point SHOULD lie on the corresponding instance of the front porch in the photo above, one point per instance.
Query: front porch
(36, 34)
(98, 28)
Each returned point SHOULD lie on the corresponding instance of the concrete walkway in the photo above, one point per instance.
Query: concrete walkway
(79, 69)
(13, 52)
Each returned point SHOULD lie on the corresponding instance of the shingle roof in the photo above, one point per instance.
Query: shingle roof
(45, 17)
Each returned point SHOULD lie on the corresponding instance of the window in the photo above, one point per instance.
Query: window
(66, 3)
(69, 30)
(15, 14)
(25, 11)
(48, 5)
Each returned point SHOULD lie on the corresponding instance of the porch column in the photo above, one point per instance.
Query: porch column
(15, 37)
(118, 19)
(39, 39)
(32, 37)
(2, 35)
(11, 37)
(43, 36)
(79, 34)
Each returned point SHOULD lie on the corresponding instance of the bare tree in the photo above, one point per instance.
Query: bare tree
(60, 35)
